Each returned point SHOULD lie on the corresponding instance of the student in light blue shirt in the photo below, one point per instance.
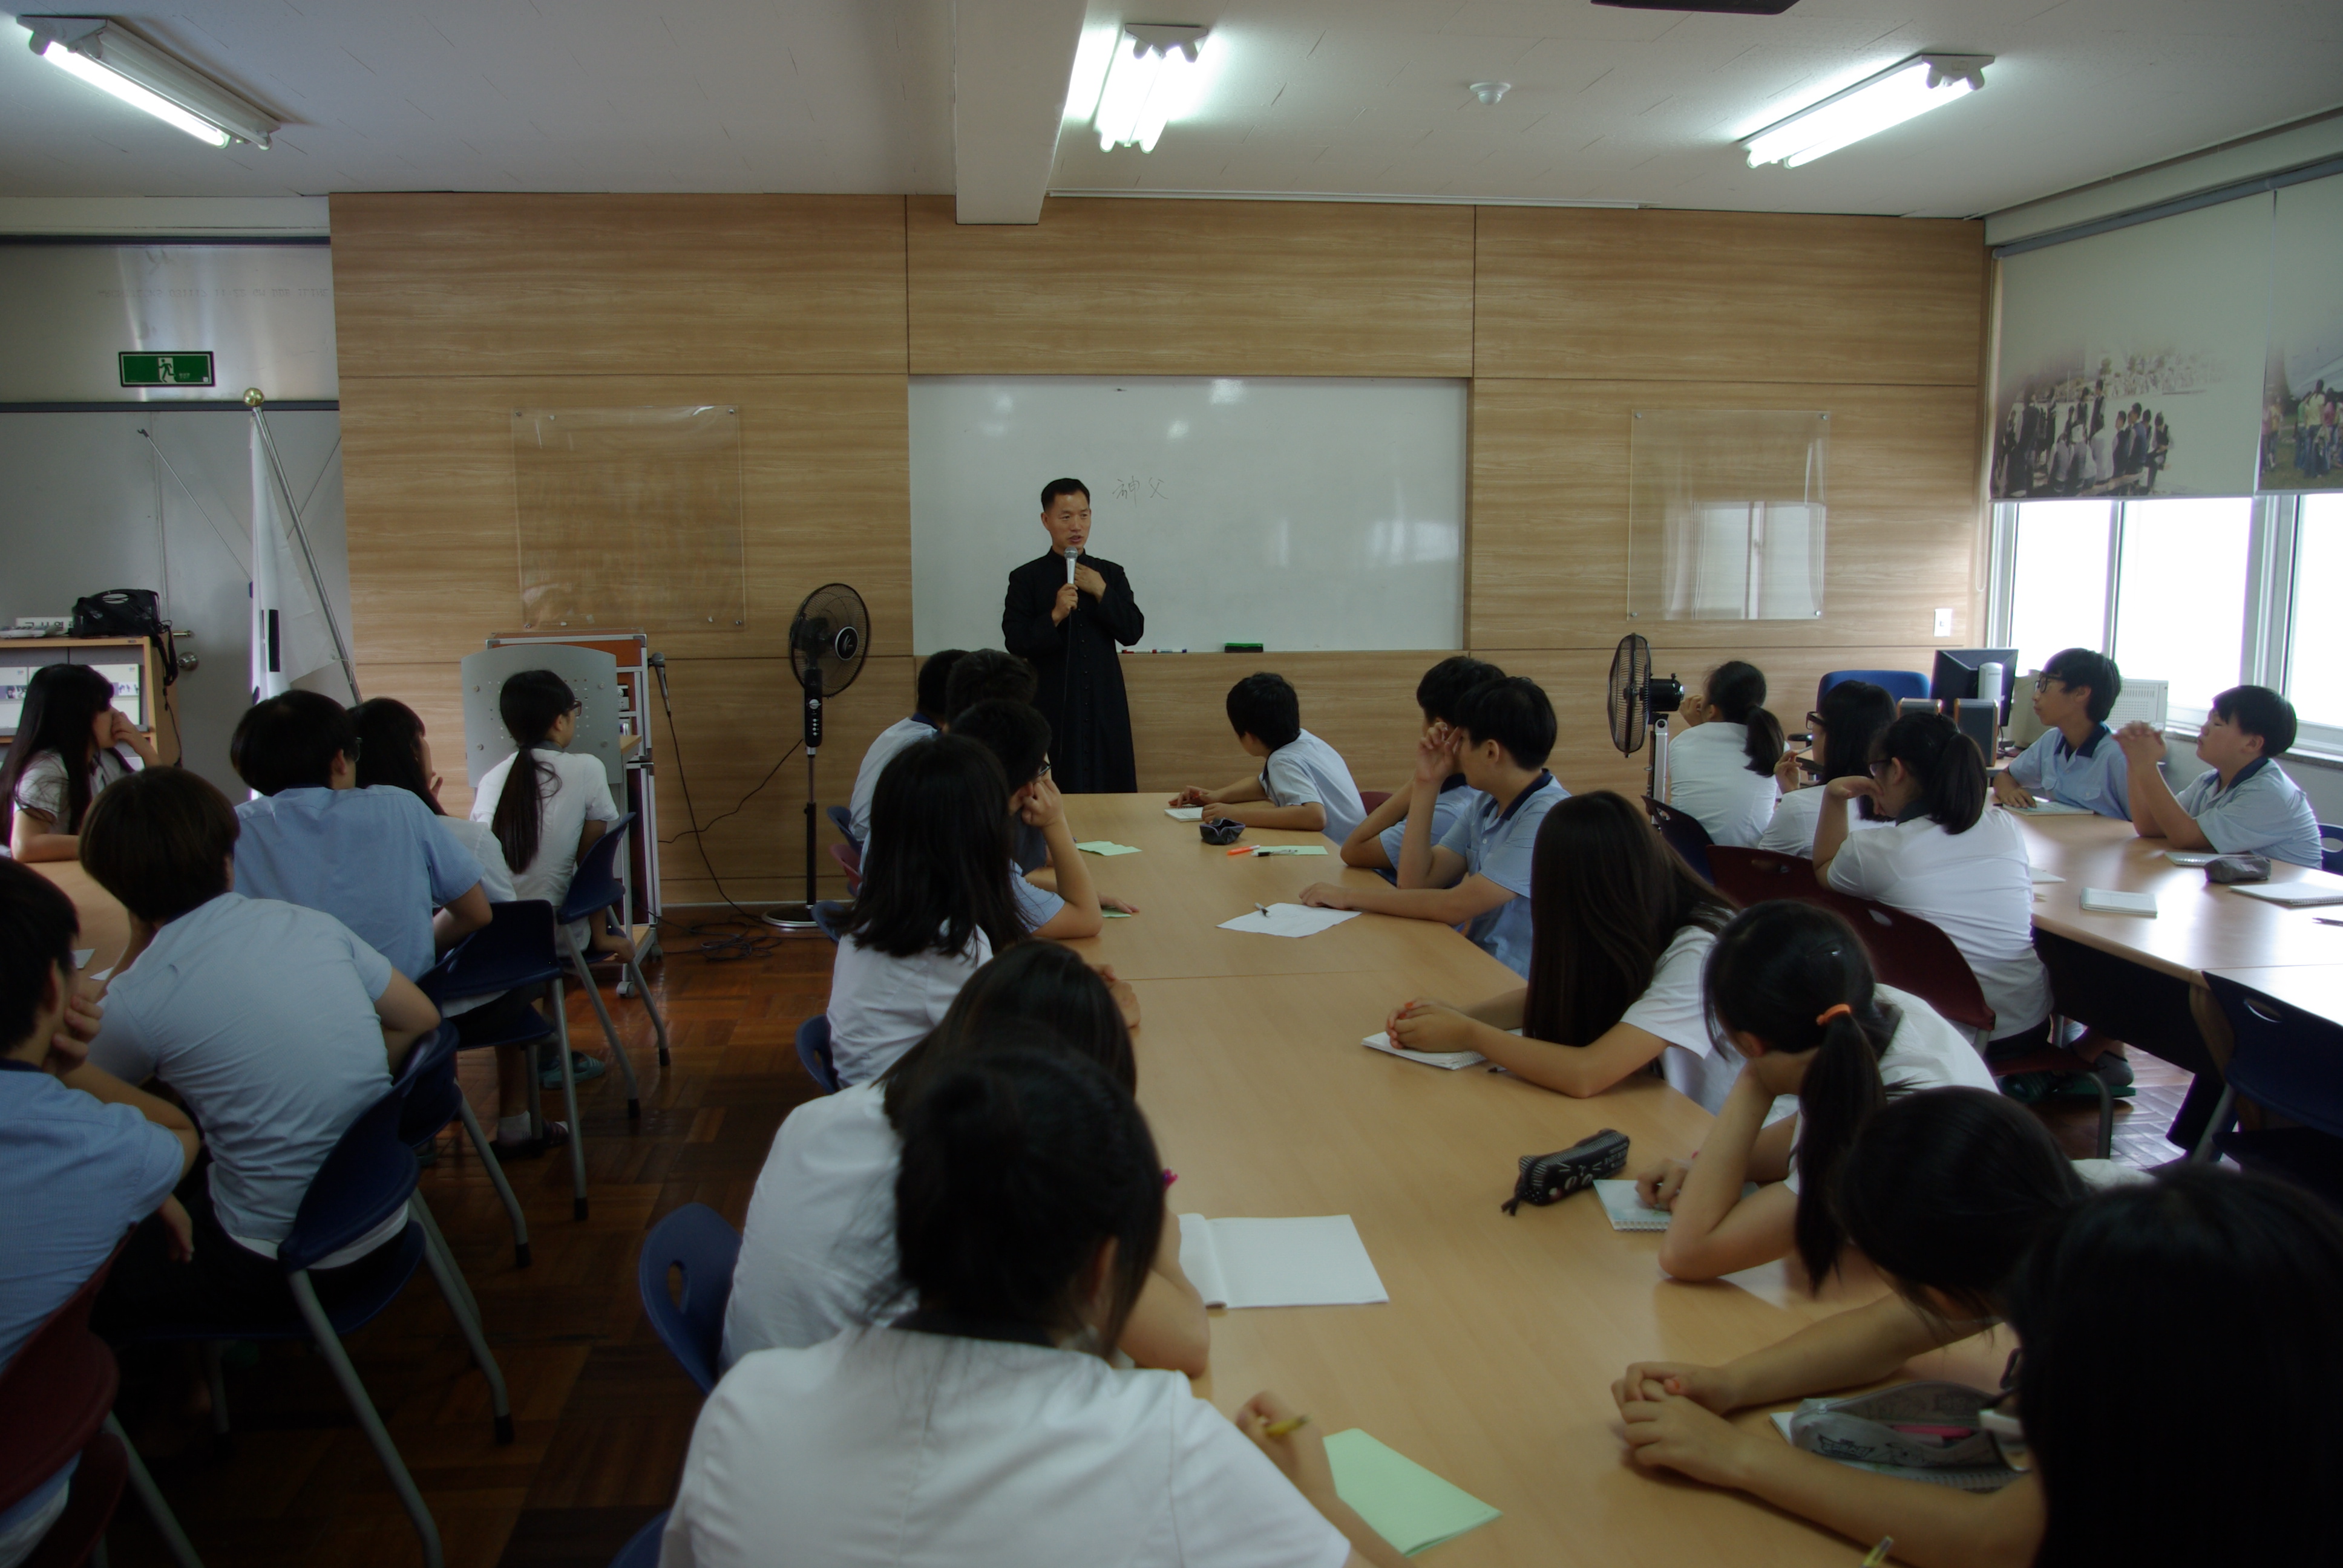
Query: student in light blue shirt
(2244, 803)
(1375, 843)
(2076, 760)
(926, 721)
(374, 860)
(1478, 876)
(1303, 783)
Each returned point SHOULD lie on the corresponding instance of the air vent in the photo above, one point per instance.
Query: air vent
(1724, 8)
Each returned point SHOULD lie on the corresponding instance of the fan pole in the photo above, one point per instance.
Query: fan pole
(797, 919)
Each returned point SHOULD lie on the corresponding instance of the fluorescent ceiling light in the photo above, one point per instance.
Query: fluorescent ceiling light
(107, 54)
(1899, 93)
(1153, 81)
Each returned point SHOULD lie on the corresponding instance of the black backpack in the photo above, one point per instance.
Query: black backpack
(127, 612)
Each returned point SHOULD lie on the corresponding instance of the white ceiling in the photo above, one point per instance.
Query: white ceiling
(1309, 97)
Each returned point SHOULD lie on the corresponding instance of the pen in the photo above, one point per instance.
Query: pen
(1286, 1428)
(1878, 1554)
(1264, 908)
(1241, 849)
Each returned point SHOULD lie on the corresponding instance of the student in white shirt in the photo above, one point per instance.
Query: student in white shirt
(275, 1026)
(545, 806)
(1303, 783)
(1721, 761)
(987, 1428)
(1949, 857)
(1439, 696)
(1057, 899)
(1477, 876)
(935, 903)
(2243, 803)
(929, 717)
(1945, 1192)
(1846, 725)
(818, 1251)
(1790, 985)
(1620, 928)
(70, 744)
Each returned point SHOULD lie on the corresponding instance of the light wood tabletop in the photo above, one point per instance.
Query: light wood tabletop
(104, 923)
(1491, 1362)
(2198, 925)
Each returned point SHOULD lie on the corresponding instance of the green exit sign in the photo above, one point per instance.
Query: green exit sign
(166, 369)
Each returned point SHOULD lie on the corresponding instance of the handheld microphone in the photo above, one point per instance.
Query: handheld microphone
(1072, 552)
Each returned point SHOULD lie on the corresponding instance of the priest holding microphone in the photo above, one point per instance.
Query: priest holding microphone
(1065, 613)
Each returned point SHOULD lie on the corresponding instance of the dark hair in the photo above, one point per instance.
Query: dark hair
(1017, 1166)
(934, 693)
(1056, 487)
(1853, 712)
(160, 841)
(530, 704)
(1607, 895)
(1513, 712)
(2247, 1272)
(986, 675)
(1265, 707)
(37, 925)
(2258, 711)
(936, 870)
(1041, 984)
(1736, 689)
(390, 748)
(61, 703)
(289, 741)
(1440, 692)
(1014, 732)
(1948, 765)
(1776, 969)
(2082, 667)
(1948, 1188)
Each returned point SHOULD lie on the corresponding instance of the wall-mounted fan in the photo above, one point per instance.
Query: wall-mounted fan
(829, 638)
(1639, 703)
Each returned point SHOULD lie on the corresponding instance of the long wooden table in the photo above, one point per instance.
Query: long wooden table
(104, 923)
(1493, 1362)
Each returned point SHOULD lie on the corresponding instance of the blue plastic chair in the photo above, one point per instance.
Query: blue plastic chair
(1683, 833)
(435, 1099)
(643, 1551)
(369, 1177)
(1898, 684)
(843, 820)
(2291, 1063)
(696, 1243)
(2331, 849)
(814, 1052)
(592, 891)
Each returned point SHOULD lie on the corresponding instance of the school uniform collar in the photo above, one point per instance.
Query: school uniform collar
(1912, 813)
(922, 1321)
(1454, 781)
(1544, 779)
(2248, 771)
(10, 1064)
(923, 718)
(2088, 748)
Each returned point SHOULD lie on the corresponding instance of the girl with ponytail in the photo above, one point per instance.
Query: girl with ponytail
(1721, 762)
(1790, 986)
(986, 1425)
(545, 806)
(1947, 857)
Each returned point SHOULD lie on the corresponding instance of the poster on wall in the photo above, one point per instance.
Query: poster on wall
(2302, 383)
(2132, 362)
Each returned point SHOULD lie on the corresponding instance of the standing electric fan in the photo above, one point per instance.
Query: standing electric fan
(1640, 703)
(829, 638)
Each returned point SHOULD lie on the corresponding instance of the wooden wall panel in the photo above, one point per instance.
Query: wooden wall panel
(450, 285)
(434, 563)
(1727, 296)
(1549, 531)
(1105, 288)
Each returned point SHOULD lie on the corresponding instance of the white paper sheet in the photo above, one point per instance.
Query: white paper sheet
(2303, 895)
(1451, 1059)
(1290, 920)
(1317, 1262)
(1185, 813)
(2114, 902)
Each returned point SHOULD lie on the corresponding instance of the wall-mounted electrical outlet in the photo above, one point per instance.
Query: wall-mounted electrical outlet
(1945, 622)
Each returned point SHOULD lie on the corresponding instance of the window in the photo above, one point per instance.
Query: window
(2315, 643)
(2061, 579)
(2180, 602)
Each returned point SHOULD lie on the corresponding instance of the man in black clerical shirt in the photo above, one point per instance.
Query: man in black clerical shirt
(1069, 630)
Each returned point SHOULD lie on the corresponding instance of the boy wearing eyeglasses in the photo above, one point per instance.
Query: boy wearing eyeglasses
(2075, 762)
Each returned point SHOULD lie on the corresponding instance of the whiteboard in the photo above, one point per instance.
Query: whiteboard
(1296, 513)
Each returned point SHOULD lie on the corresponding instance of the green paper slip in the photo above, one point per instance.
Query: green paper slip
(1403, 1503)
(1107, 847)
(1114, 914)
(1289, 849)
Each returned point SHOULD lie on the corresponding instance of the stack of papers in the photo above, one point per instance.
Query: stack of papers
(1401, 1501)
(2302, 895)
(1451, 1059)
(1290, 920)
(1106, 847)
(2112, 901)
(1185, 813)
(1313, 1262)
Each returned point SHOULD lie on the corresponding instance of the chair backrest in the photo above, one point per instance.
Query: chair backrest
(1683, 833)
(1914, 955)
(514, 949)
(2286, 1060)
(596, 885)
(427, 1081)
(850, 863)
(1898, 684)
(2331, 849)
(365, 1178)
(54, 1394)
(843, 820)
(695, 1242)
(1372, 798)
(814, 1052)
(643, 1551)
(1754, 876)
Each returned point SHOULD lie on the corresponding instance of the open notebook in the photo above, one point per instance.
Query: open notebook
(1311, 1262)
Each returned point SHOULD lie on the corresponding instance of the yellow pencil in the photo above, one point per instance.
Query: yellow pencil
(1878, 1554)
(1290, 1424)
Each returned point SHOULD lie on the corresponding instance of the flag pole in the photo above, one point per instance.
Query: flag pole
(253, 399)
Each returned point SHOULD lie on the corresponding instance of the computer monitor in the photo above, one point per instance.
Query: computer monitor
(1956, 673)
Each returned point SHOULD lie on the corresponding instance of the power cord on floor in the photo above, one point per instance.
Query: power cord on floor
(719, 942)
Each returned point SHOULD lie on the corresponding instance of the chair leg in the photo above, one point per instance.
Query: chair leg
(150, 1497)
(495, 1169)
(2107, 1117)
(215, 1379)
(643, 990)
(2224, 1111)
(466, 1309)
(569, 1099)
(329, 1345)
(610, 1029)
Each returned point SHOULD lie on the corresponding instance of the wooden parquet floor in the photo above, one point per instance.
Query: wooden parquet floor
(602, 1413)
